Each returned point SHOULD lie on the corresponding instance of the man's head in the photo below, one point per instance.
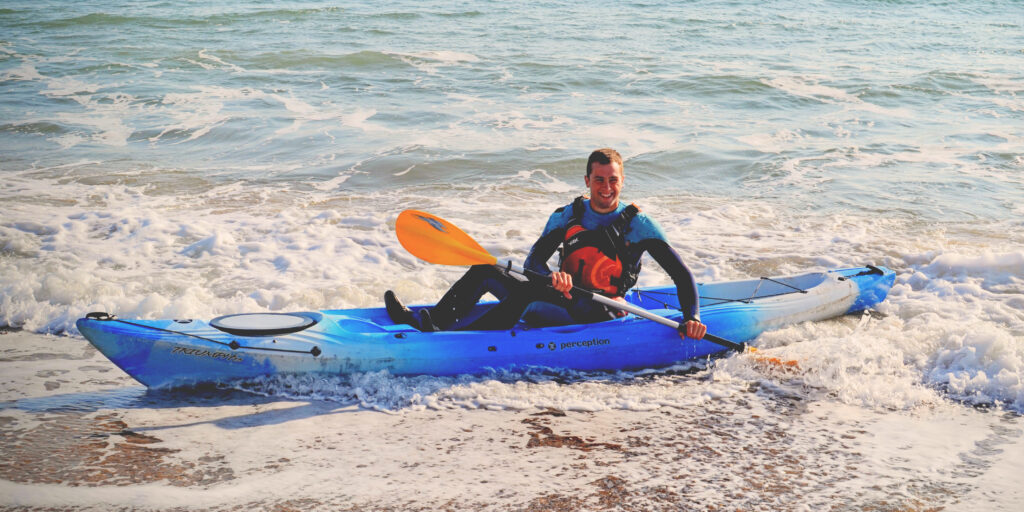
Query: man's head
(603, 156)
(604, 179)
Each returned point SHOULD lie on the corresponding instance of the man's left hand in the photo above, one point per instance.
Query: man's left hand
(693, 329)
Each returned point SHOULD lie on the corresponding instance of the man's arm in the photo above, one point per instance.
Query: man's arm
(547, 244)
(541, 252)
(686, 286)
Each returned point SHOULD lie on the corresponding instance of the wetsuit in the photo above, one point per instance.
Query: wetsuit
(515, 295)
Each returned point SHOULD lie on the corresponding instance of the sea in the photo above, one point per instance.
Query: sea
(189, 159)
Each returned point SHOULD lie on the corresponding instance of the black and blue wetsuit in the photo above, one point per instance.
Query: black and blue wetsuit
(515, 295)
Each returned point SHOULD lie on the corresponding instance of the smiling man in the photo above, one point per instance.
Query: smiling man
(601, 243)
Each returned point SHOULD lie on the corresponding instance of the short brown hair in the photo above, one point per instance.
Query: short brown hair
(604, 156)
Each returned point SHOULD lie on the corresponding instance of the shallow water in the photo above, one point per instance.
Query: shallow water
(196, 159)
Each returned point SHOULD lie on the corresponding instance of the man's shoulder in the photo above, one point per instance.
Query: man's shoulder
(564, 212)
(644, 226)
(558, 218)
(642, 216)
(583, 200)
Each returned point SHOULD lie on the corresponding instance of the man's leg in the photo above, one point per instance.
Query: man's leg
(507, 313)
(467, 291)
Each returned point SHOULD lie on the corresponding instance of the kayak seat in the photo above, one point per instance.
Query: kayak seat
(359, 325)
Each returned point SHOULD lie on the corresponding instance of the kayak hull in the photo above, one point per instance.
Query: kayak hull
(172, 353)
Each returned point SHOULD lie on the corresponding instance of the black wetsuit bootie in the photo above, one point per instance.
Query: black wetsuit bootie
(398, 312)
(426, 324)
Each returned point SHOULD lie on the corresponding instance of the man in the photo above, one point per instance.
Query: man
(602, 241)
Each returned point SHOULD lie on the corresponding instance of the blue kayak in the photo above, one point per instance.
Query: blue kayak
(172, 353)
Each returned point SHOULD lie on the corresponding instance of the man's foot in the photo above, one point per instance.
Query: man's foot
(426, 324)
(399, 313)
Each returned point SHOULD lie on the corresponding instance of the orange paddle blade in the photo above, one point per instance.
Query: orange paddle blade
(435, 240)
(786, 365)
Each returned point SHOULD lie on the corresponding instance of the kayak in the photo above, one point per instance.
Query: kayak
(184, 352)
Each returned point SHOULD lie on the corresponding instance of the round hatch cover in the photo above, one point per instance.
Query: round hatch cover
(265, 324)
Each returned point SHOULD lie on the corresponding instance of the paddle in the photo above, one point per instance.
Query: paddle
(435, 240)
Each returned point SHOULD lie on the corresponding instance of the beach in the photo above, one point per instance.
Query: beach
(193, 160)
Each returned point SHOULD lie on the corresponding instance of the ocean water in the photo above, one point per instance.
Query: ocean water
(192, 159)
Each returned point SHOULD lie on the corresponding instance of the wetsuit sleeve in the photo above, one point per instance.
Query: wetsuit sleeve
(545, 247)
(647, 236)
(669, 260)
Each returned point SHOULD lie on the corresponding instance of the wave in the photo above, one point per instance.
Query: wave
(292, 61)
(260, 16)
(461, 14)
(365, 59)
(94, 20)
(715, 85)
(526, 388)
(395, 16)
(296, 13)
(39, 127)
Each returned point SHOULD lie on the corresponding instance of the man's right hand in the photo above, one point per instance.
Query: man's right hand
(562, 281)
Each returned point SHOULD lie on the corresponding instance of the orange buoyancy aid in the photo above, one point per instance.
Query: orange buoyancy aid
(597, 259)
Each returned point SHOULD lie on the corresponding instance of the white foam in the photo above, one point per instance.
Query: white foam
(199, 112)
(1007, 89)
(105, 123)
(26, 71)
(770, 142)
(431, 61)
(988, 266)
(810, 87)
(548, 183)
(66, 86)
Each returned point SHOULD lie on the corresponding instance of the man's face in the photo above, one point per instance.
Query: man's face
(605, 184)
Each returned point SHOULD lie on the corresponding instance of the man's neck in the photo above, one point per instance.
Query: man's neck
(610, 210)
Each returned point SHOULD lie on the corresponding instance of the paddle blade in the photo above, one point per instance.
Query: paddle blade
(435, 240)
(786, 365)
